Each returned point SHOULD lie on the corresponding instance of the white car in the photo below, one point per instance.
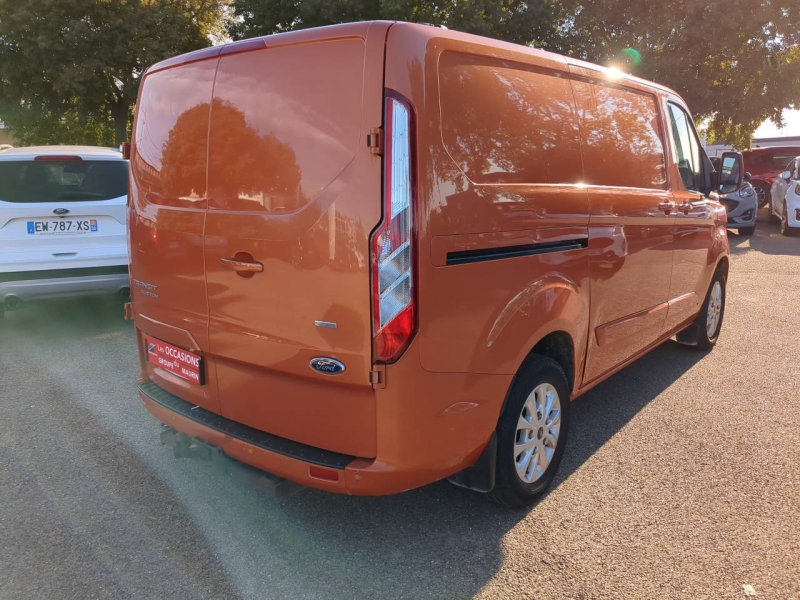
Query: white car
(62, 223)
(785, 193)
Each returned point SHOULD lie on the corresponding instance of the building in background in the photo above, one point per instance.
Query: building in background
(5, 136)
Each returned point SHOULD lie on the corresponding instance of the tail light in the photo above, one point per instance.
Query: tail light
(393, 251)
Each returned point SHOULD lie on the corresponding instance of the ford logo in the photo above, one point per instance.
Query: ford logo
(60, 211)
(327, 366)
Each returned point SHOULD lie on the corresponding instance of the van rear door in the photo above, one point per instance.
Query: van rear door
(294, 192)
(166, 216)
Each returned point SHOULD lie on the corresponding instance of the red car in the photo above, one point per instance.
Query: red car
(765, 165)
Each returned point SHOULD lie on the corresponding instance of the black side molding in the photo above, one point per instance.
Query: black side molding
(256, 437)
(462, 257)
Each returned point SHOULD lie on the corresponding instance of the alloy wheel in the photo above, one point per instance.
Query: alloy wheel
(537, 433)
(714, 309)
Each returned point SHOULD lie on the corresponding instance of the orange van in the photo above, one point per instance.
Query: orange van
(371, 256)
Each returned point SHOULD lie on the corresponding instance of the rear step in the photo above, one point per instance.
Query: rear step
(185, 447)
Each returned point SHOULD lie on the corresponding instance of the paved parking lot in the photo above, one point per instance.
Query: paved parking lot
(681, 480)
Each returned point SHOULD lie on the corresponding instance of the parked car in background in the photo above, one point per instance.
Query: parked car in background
(62, 223)
(740, 205)
(765, 164)
(530, 224)
(785, 205)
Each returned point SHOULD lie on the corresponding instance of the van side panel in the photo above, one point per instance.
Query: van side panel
(630, 234)
(294, 188)
(503, 258)
(167, 211)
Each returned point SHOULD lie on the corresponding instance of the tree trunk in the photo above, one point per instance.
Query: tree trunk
(120, 113)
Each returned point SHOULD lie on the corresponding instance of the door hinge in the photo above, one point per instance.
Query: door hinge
(377, 377)
(375, 140)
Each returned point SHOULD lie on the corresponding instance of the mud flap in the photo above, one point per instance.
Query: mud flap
(689, 336)
(185, 447)
(480, 476)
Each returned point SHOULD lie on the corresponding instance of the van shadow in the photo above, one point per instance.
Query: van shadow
(436, 542)
(441, 541)
(767, 240)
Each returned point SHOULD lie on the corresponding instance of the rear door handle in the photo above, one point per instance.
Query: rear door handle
(241, 265)
(667, 206)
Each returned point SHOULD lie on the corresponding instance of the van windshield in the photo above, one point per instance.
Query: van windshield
(24, 181)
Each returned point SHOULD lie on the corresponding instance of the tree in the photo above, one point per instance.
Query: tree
(512, 20)
(735, 63)
(82, 60)
(34, 127)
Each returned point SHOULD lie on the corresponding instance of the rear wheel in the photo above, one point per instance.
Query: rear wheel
(785, 229)
(531, 433)
(709, 321)
(747, 230)
(762, 193)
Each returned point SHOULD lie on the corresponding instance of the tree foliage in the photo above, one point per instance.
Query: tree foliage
(81, 61)
(736, 63)
(511, 20)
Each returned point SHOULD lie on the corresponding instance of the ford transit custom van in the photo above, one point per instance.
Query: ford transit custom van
(371, 256)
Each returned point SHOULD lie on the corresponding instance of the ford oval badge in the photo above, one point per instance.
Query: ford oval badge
(61, 211)
(327, 366)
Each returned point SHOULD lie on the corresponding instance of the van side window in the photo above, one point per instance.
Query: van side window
(621, 135)
(685, 149)
(508, 122)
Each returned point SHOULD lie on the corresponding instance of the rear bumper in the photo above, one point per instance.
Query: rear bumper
(39, 285)
(277, 456)
(415, 448)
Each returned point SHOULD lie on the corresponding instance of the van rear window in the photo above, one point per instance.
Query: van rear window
(505, 122)
(24, 181)
(623, 144)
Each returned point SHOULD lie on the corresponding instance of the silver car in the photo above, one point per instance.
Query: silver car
(742, 208)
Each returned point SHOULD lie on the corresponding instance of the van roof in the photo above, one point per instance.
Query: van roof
(85, 152)
(429, 31)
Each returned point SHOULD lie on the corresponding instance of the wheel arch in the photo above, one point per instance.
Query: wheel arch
(723, 265)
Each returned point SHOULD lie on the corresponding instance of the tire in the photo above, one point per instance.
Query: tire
(539, 378)
(763, 194)
(747, 230)
(706, 339)
(785, 229)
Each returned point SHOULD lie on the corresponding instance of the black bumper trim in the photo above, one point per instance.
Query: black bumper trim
(61, 273)
(267, 441)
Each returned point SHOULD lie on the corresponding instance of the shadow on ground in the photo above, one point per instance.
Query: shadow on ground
(767, 240)
(439, 541)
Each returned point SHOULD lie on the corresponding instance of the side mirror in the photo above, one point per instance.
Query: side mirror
(731, 172)
(787, 175)
(747, 176)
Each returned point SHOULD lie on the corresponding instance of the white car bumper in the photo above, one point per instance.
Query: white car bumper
(27, 286)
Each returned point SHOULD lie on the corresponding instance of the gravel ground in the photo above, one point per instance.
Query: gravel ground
(680, 480)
